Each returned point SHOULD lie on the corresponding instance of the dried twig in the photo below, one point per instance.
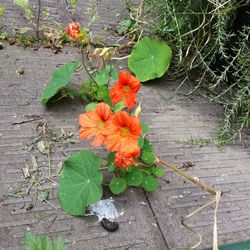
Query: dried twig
(38, 19)
(215, 200)
(32, 119)
(47, 144)
(191, 178)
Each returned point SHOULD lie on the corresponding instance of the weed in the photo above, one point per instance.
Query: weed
(212, 39)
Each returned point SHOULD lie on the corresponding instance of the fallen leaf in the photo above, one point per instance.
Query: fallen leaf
(41, 147)
(26, 173)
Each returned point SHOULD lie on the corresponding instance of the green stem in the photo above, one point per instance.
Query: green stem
(85, 68)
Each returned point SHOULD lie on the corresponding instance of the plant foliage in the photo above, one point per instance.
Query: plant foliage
(60, 79)
(80, 183)
(210, 41)
(149, 59)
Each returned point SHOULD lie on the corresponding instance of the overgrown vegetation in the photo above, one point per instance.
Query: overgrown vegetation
(210, 40)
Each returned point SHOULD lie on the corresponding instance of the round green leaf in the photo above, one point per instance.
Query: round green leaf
(117, 185)
(81, 182)
(148, 157)
(149, 59)
(149, 183)
(134, 178)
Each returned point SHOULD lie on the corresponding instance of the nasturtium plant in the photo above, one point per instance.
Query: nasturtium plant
(130, 156)
(60, 79)
(81, 182)
(149, 59)
(111, 120)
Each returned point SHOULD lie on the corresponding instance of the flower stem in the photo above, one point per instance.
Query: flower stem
(189, 177)
(85, 68)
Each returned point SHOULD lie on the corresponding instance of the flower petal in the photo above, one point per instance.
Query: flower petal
(103, 111)
(98, 140)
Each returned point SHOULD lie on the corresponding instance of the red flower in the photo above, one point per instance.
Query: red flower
(127, 158)
(122, 132)
(94, 123)
(73, 29)
(125, 89)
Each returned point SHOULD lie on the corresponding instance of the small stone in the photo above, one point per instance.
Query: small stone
(110, 226)
(1, 46)
(26, 172)
(20, 71)
(30, 207)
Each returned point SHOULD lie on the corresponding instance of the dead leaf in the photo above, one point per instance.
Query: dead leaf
(20, 71)
(41, 147)
(26, 173)
(53, 35)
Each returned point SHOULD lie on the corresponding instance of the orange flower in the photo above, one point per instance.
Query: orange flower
(127, 158)
(125, 89)
(73, 29)
(122, 132)
(94, 123)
